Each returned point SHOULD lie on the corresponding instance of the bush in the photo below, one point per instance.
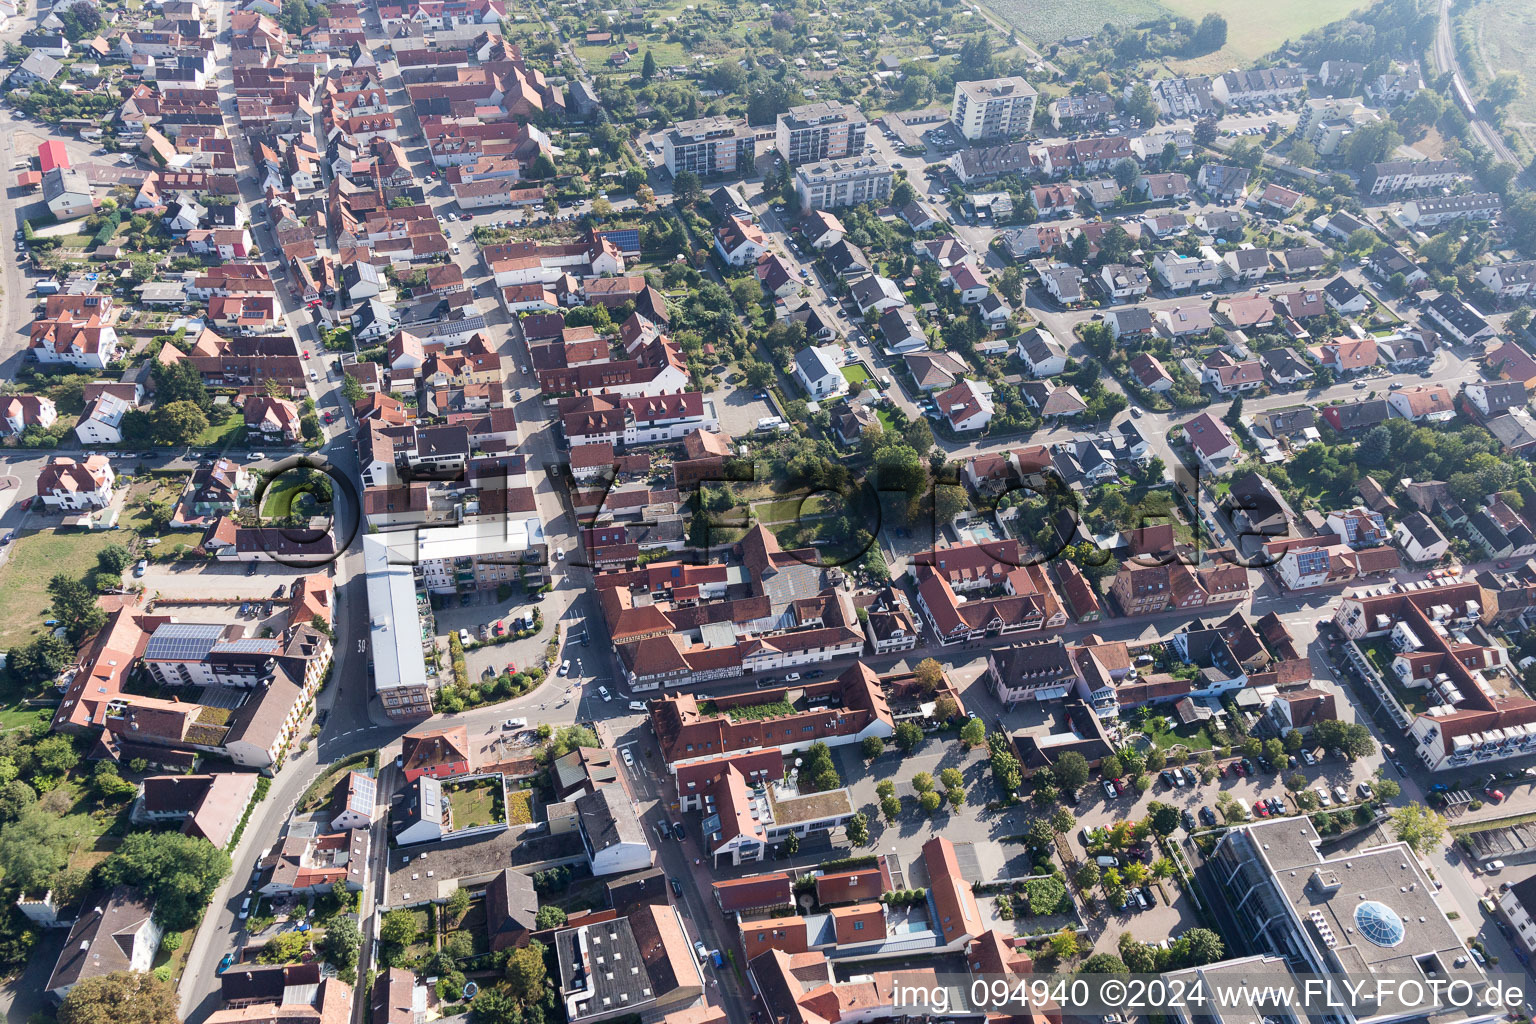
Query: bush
(1045, 895)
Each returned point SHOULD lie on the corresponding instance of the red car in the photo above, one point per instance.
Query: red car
(306, 353)
(1260, 811)
(1496, 795)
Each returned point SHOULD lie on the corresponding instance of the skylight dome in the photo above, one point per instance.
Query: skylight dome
(1379, 923)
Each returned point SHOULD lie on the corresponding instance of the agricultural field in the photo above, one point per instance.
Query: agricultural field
(1503, 30)
(1047, 23)
(1252, 29)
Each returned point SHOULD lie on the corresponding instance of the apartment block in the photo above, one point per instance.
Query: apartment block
(994, 108)
(820, 131)
(710, 147)
(830, 184)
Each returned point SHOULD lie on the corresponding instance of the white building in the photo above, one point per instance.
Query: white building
(817, 370)
(615, 840)
(994, 108)
(69, 486)
(829, 184)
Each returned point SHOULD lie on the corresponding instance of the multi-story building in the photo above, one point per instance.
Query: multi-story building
(829, 184)
(994, 108)
(1264, 85)
(1432, 211)
(820, 131)
(397, 666)
(1437, 643)
(1408, 176)
(1037, 670)
(1182, 97)
(710, 147)
(843, 710)
(1349, 915)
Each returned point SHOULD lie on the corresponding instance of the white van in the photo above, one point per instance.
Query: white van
(1242, 806)
(636, 705)
(245, 909)
(1107, 862)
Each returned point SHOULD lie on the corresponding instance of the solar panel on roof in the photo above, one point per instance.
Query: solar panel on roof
(182, 641)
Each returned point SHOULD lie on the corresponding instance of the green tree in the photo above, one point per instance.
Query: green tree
(857, 829)
(74, 605)
(177, 423)
(549, 917)
(33, 847)
(1200, 946)
(973, 733)
(686, 188)
(930, 802)
(1086, 876)
(1064, 944)
(123, 997)
(909, 735)
(458, 903)
(872, 747)
(1164, 818)
(648, 67)
(180, 382)
(1071, 771)
(178, 873)
(1418, 826)
(284, 948)
(542, 167)
(890, 808)
(1125, 172)
(341, 944)
(525, 973)
(113, 559)
(1386, 790)
(1104, 963)
(398, 928)
(1041, 834)
(352, 390)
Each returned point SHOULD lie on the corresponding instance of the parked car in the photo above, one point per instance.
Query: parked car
(141, 568)
(629, 759)
(636, 705)
(700, 951)
(677, 831)
(1110, 790)
(677, 887)
(1364, 790)
(1308, 758)
(565, 667)
(1323, 798)
(1207, 815)
(1341, 794)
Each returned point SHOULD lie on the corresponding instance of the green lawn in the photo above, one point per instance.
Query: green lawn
(473, 924)
(35, 556)
(1192, 737)
(222, 435)
(292, 486)
(854, 373)
(749, 712)
(475, 804)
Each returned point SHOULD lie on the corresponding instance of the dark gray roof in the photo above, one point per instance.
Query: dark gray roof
(608, 818)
